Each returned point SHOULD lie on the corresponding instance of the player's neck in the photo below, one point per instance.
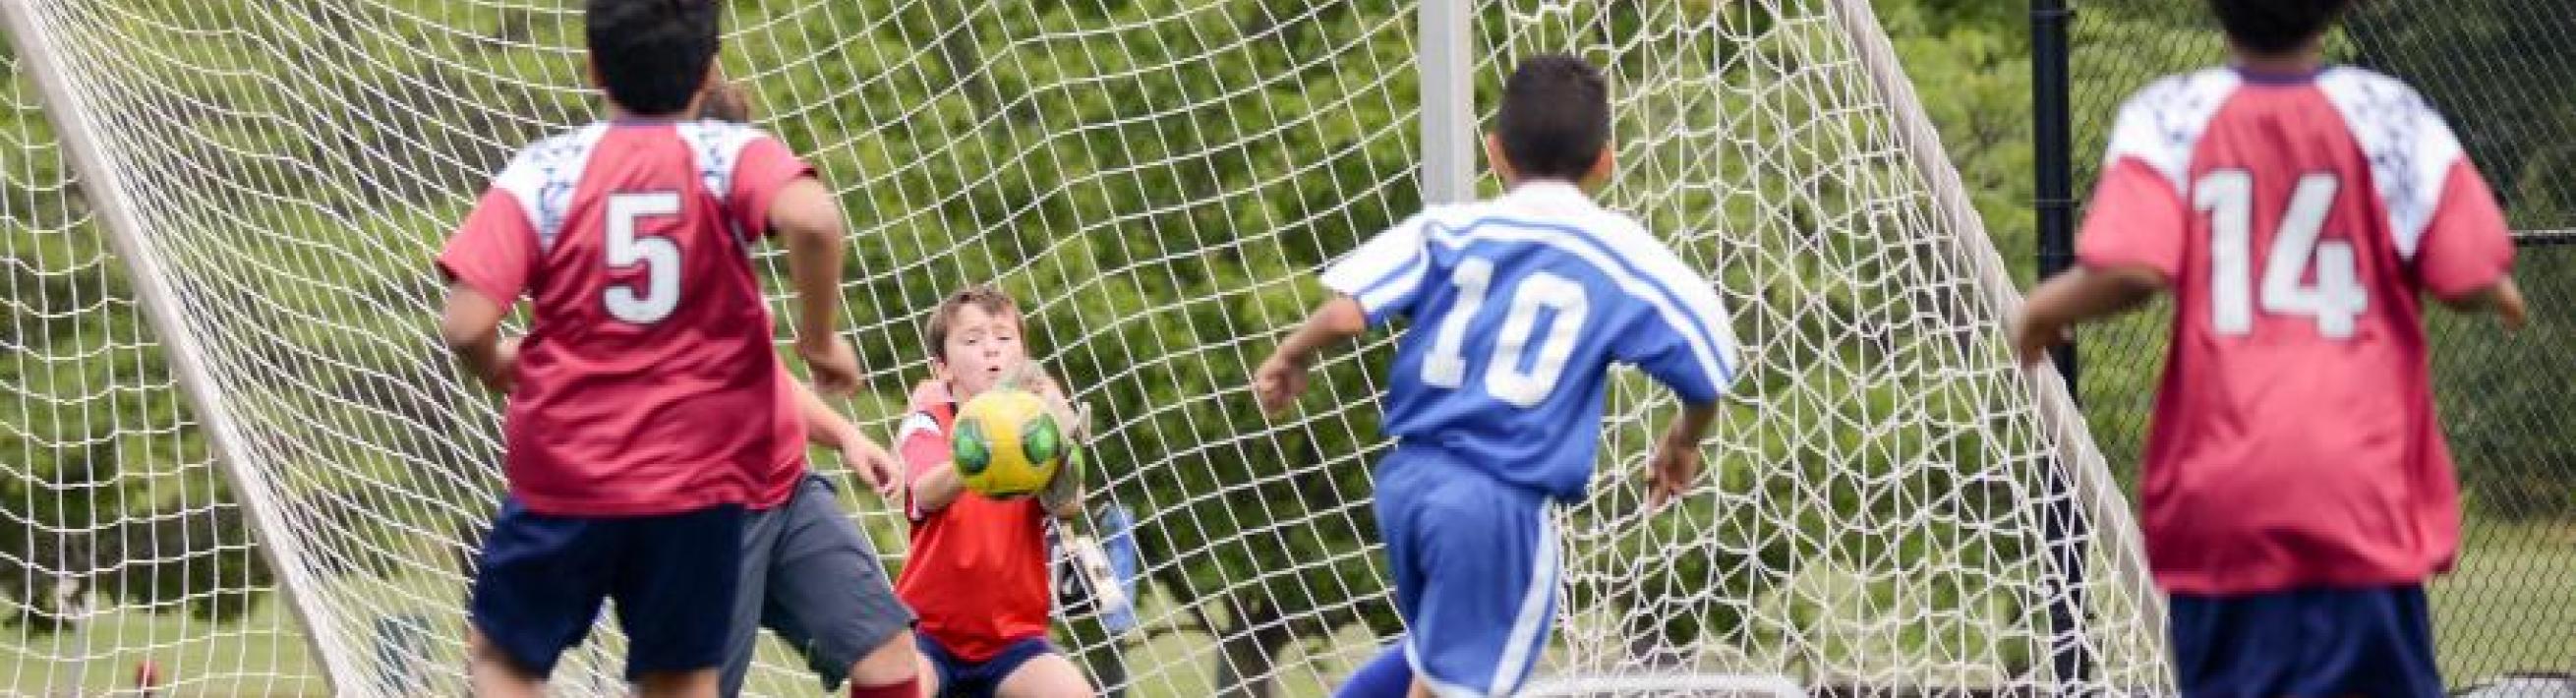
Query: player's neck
(1546, 183)
(620, 115)
(2297, 64)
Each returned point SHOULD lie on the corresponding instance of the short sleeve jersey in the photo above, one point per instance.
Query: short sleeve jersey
(977, 576)
(2299, 219)
(648, 344)
(1519, 307)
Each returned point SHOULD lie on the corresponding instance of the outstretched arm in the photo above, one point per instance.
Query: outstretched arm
(2078, 295)
(805, 215)
(1282, 377)
(2504, 298)
(826, 427)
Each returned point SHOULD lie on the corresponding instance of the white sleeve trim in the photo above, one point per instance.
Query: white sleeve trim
(2162, 124)
(1384, 269)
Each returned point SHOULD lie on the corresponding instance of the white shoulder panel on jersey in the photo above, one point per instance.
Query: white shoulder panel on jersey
(543, 176)
(2163, 123)
(2409, 147)
(1700, 312)
(716, 147)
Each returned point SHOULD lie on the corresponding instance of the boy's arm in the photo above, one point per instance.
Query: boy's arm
(2503, 297)
(1282, 377)
(932, 479)
(1675, 463)
(2464, 257)
(2078, 295)
(470, 326)
(826, 427)
(804, 213)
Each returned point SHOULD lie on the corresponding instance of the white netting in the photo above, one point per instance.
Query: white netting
(1155, 180)
(118, 542)
(1883, 511)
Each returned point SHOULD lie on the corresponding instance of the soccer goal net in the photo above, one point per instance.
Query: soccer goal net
(1892, 505)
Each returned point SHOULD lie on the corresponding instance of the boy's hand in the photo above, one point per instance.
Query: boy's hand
(1278, 383)
(870, 462)
(1670, 471)
(835, 366)
(2031, 340)
(505, 367)
(2508, 306)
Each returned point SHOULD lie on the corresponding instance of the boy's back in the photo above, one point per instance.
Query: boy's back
(2299, 220)
(1519, 305)
(649, 334)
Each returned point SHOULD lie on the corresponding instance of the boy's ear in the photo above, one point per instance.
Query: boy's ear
(1501, 163)
(1602, 167)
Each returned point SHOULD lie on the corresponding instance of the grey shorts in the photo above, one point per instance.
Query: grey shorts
(810, 576)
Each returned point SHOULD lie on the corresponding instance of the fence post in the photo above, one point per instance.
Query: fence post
(2066, 531)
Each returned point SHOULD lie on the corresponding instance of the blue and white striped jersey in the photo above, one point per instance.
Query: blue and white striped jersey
(1519, 306)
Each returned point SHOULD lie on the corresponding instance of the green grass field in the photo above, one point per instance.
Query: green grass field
(2510, 606)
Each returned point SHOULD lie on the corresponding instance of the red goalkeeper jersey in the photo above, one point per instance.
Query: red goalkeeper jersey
(978, 571)
(2300, 219)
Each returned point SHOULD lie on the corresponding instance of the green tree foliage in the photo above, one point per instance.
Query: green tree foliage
(1154, 180)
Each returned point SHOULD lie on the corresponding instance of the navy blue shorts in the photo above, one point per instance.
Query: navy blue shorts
(959, 678)
(2305, 643)
(541, 579)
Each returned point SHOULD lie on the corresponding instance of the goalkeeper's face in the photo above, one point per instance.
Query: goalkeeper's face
(981, 346)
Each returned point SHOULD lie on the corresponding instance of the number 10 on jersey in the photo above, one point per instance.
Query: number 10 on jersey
(1504, 378)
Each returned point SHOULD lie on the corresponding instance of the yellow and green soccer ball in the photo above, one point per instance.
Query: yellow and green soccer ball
(1007, 444)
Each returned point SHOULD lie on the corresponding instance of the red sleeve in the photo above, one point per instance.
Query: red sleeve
(2136, 220)
(2465, 247)
(764, 168)
(923, 448)
(494, 250)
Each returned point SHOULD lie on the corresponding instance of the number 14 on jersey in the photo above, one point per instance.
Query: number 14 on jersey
(2335, 301)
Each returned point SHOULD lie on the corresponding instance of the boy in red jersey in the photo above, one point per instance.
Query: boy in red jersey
(978, 571)
(649, 346)
(2296, 493)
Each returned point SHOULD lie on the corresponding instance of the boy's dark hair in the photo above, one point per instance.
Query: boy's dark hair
(2274, 26)
(652, 54)
(1555, 117)
(986, 296)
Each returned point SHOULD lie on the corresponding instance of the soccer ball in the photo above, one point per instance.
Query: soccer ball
(1007, 444)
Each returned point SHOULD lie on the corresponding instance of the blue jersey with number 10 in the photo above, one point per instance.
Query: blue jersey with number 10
(1519, 307)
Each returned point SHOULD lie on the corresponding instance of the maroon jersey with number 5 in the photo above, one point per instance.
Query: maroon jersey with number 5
(646, 383)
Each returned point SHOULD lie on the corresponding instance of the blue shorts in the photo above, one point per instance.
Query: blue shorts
(2305, 643)
(1475, 565)
(965, 679)
(540, 581)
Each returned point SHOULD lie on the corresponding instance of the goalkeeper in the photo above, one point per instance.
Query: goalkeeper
(978, 571)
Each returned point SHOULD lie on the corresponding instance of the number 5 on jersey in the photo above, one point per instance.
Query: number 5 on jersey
(2334, 301)
(1504, 379)
(659, 255)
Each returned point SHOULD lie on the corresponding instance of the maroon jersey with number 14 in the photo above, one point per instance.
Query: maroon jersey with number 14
(2300, 219)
